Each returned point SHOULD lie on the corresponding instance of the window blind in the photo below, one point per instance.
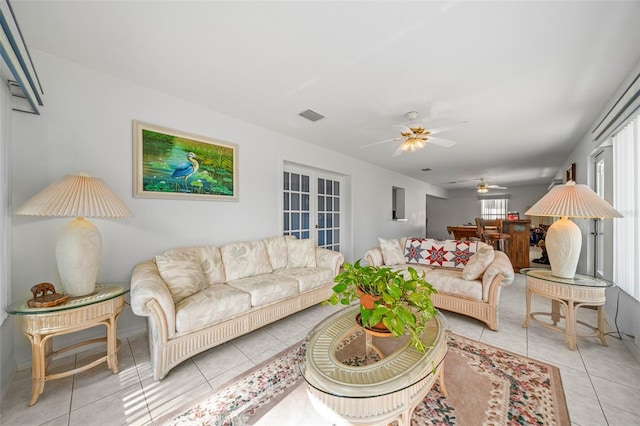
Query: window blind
(626, 199)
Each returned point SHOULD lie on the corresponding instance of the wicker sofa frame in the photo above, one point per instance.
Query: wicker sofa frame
(168, 348)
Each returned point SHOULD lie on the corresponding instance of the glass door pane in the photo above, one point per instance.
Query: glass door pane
(328, 213)
(296, 207)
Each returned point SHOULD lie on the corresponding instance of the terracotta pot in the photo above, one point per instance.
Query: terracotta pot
(367, 302)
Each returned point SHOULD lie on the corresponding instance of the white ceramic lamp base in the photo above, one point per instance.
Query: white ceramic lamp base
(563, 242)
(78, 251)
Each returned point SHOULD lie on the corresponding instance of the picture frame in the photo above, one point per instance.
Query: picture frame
(570, 173)
(171, 164)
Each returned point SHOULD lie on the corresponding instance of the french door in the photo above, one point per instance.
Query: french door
(311, 206)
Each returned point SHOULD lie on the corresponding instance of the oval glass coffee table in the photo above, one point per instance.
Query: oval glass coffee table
(353, 377)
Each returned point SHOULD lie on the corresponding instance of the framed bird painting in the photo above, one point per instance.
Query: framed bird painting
(172, 164)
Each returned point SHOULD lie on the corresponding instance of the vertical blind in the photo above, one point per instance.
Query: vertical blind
(626, 199)
(494, 208)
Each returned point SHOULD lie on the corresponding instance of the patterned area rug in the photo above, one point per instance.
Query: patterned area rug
(486, 386)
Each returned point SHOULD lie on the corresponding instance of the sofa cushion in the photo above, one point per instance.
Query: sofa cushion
(450, 281)
(308, 278)
(391, 252)
(266, 288)
(446, 253)
(180, 269)
(211, 263)
(478, 262)
(302, 253)
(214, 304)
(245, 259)
(278, 252)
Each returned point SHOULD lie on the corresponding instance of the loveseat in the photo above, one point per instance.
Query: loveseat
(196, 298)
(467, 274)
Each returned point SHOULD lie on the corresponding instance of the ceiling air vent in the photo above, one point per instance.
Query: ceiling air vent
(311, 115)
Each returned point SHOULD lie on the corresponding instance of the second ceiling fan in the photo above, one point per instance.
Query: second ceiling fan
(482, 187)
(414, 135)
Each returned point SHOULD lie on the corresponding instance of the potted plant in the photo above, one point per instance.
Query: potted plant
(402, 300)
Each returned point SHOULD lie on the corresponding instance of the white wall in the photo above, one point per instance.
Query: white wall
(86, 125)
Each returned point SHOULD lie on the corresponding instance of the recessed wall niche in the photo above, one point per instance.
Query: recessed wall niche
(397, 203)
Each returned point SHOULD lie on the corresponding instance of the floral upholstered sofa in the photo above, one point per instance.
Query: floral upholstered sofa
(467, 274)
(196, 298)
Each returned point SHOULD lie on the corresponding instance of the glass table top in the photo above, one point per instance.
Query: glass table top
(103, 292)
(344, 360)
(579, 280)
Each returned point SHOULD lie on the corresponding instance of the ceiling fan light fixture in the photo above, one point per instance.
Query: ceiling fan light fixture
(413, 144)
(482, 189)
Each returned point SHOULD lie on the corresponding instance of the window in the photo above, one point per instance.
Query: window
(626, 199)
(5, 213)
(494, 207)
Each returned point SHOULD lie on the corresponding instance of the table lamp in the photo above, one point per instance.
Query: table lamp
(79, 245)
(563, 240)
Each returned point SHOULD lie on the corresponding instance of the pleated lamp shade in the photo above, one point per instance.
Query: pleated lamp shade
(76, 196)
(572, 200)
(563, 240)
(79, 245)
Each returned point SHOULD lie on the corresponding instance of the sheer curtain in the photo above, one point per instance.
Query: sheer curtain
(626, 199)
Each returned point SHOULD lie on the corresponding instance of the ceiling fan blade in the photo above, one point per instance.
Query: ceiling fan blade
(381, 142)
(439, 141)
(446, 128)
(496, 187)
(463, 181)
(398, 151)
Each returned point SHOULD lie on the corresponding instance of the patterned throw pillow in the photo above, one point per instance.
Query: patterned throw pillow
(211, 263)
(478, 263)
(181, 270)
(245, 259)
(391, 252)
(446, 253)
(302, 253)
(278, 252)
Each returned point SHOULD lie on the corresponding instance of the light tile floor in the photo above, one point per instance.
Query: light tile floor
(602, 384)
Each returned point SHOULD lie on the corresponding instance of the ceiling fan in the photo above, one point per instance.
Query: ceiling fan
(414, 135)
(483, 187)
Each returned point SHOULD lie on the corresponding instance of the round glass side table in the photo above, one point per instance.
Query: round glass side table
(40, 325)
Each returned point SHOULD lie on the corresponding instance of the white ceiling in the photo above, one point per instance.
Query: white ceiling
(531, 77)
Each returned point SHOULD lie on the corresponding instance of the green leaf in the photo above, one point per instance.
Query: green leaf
(406, 316)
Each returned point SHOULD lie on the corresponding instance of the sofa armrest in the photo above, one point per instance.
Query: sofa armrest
(500, 265)
(374, 257)
(329, 259)
(147, 287)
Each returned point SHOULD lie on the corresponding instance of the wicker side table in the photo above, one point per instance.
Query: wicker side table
(40, 325)
(567, 295)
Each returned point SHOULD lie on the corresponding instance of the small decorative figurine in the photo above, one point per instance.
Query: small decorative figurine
(44, 296)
